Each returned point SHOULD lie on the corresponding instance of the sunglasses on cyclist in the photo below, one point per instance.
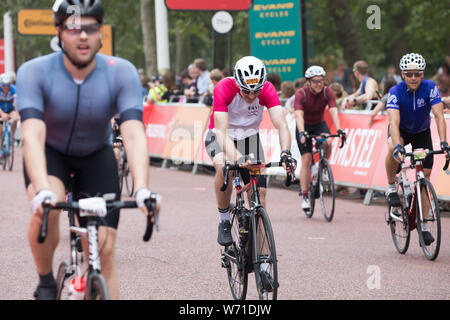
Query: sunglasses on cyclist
(245, 91)
(411, 74)
(317, 81)
(6, 85)
(90, 29)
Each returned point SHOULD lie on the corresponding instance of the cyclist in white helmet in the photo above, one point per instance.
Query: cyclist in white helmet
(8, 108)
(409, 105)
(309, 105)
(238, 108)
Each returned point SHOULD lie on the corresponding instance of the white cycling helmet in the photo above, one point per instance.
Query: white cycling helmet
(250, 73)
(314, 71)
(5, 79)
(412, 61)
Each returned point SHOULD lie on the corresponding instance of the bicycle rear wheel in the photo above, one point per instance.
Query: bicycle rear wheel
(233, 259)
(327, 191)
(265, 257)
(97, 289)
(129, 182)
(431, 216)
(399, 225)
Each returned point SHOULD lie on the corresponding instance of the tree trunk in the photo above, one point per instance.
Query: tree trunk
(400, 41)
(149, 36)
(182, 48)
(348, 38)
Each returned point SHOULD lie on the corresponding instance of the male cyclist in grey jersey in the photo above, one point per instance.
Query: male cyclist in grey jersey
(66, 101)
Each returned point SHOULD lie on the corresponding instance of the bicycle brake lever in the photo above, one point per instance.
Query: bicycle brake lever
(43, 230)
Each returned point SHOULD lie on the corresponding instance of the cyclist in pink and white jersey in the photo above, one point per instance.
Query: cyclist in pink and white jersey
(238, 109)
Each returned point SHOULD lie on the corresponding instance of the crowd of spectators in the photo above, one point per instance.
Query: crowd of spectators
(354, 88)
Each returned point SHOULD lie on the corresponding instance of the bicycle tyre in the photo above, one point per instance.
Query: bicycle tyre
(268, 243)
(237, 275)
(432, 250)
(97, 289)
(129, 182)
(400, 230)
(326, 188)
(11, 152)
(3, 147)
(61, 277)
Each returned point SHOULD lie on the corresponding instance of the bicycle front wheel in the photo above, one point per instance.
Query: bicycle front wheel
(428, 214)
(265, 257)
(97, 289)
(326, 188)
(62, 287)
(234, 259)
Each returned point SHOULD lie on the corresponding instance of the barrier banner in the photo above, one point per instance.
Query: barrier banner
(158, 121)
(186, 133)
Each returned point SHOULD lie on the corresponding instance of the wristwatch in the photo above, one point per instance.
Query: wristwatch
(355, 101)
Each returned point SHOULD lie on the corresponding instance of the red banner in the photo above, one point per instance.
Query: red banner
(2, 56)
(208, 5)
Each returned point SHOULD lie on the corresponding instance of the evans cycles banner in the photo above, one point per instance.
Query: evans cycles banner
(276, 36)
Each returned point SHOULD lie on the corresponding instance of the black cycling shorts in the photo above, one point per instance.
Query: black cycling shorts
(95, 175)
(315, 129)
(418, 140)
(245, 146)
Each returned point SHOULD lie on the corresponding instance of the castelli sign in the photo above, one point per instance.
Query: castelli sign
(209, 5)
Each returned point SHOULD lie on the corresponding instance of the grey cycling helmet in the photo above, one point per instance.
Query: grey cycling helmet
(314, 71)
(5, 79)
(412, 61)
(63, 9)
(250, 73)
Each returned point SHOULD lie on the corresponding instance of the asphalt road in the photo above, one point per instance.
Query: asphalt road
(352, 257)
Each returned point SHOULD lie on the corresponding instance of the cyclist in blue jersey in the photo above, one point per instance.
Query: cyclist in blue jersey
(8, 102)
(66, 101)
(408, 107)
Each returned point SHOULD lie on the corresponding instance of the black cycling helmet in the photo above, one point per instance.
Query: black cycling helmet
(90, 8)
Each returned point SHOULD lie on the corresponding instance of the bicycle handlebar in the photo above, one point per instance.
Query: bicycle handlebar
(326, 136)
(150, 203)
(429, 153)
(235, 167)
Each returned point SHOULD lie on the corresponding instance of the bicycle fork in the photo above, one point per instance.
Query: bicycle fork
(91, 233)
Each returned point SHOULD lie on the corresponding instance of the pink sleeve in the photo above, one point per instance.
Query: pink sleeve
(269, 96)
(224, 93)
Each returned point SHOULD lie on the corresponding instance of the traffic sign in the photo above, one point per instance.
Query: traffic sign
(222, 22)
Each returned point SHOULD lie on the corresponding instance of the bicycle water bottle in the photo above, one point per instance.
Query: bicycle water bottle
(76, 288)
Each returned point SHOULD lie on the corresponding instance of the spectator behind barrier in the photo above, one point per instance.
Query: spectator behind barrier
(275, 79)
(391, 72)
(299, 83)
(388, 83)
(215, 76)
(342, 75)
(288, 94)
(203, 79)
(366, 91)
(157, 90)
(442, 78)
(192, 91)
(339, 92)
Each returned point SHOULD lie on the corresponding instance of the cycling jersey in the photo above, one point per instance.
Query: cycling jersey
(313, 105)
(414, 106)
(7, 101)
(243, 118)
(78, 113)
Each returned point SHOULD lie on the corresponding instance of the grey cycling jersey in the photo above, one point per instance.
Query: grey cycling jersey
(77, 116)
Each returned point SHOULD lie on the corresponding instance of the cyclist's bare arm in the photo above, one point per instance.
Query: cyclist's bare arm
(438, 112)
(279, 122)
(33, 133)
(335, 117)
(224, 141)
(300, 120)
(135, 143)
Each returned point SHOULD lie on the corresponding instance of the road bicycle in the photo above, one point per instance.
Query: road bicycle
(7, 146)
(125, 175)
(419, 204)
(253, 248)
(89, 208)
(322, 181)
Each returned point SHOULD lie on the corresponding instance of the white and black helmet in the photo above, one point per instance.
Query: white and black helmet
(412, 61)
(250, 73)
(63, 9)
(314, 71)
